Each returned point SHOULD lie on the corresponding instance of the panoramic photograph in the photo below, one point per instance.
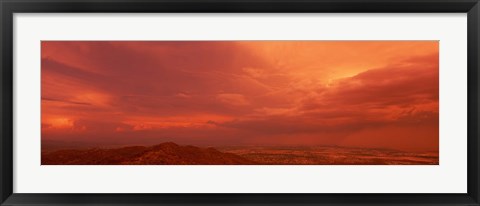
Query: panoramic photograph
(240, 102)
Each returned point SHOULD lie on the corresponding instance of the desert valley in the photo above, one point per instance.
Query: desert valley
(172, 154)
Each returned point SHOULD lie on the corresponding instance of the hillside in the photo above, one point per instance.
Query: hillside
(161, 154)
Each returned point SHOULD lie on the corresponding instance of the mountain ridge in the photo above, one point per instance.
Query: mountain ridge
(167, 153)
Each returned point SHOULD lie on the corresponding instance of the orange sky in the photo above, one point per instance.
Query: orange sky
(349, 93)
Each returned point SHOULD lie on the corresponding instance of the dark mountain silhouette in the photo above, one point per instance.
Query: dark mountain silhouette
(163, 154)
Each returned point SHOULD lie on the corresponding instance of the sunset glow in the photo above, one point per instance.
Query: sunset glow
(366, 94)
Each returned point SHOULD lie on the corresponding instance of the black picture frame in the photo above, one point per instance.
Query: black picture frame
(9, 7)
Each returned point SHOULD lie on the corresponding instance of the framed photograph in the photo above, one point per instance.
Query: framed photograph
(264, 102)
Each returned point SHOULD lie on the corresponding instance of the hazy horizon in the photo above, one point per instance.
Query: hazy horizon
(59, 144)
